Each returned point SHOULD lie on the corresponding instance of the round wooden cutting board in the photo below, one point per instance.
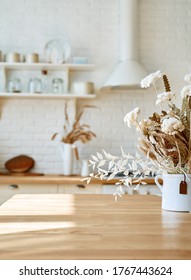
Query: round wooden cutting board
(20, 164)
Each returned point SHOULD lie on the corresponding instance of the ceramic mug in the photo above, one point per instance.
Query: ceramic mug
(176, 191)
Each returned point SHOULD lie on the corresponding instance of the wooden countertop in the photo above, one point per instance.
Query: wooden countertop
(54, 179)
(66, 226)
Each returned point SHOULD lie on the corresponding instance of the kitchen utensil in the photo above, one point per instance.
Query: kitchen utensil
(57, 51)
(18, 164)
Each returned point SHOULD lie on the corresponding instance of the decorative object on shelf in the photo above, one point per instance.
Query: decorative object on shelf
(80, 60)
(35, 85)
(14, 85)
(57, 51)
(83, 87)
(31, 58)
(45, 81)
(57, 85)
(165, 141)
(12, 57)
(72, 133)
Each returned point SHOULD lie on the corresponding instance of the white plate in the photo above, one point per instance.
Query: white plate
(57, 51)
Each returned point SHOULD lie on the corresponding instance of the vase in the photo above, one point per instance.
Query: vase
(84, 168)
(67, 153)
(176, 191)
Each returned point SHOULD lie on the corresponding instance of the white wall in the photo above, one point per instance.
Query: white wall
(92, 28)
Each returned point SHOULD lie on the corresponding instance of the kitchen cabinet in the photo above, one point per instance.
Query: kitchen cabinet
(80, 189)
(37, 69)
(8, 190)
(142, 190)
(11, 185)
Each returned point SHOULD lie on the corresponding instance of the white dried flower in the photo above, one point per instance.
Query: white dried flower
(186, 91)
(172, 126)
(187, 78)
(151, 79)
(165, 96)
(131, 117)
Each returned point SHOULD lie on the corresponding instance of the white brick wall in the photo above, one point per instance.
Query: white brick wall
(92, 28)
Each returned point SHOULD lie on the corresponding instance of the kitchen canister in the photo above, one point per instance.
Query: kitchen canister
(12, 57)
(35, 85)
(83, 87)
(32, 58)
(14, 85)
(57, 85)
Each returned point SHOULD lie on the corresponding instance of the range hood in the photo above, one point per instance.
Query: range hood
(129, 72)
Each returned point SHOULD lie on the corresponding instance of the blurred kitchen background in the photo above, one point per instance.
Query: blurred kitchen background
(92, 29)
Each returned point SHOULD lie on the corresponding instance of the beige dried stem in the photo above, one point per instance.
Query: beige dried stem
(78, 131)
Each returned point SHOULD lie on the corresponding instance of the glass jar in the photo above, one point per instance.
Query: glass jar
(14, 85)
(35, 85)
(57, 85)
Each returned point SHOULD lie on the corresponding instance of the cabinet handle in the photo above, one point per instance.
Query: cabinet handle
(81, 186)
(12, 187)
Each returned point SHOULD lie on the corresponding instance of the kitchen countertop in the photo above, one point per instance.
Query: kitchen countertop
(56, 179)
(67, 226)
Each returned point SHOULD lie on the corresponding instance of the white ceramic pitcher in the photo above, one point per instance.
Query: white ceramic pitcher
(173, 198)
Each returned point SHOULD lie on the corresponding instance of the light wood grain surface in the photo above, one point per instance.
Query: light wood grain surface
(66, 226)
(55, 179)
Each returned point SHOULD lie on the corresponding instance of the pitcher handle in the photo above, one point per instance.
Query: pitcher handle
(157, 178)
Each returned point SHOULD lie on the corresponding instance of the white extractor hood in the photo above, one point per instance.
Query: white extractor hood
(129, 72)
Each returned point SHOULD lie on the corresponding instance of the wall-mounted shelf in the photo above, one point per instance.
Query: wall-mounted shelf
(46, 66)
(65, 68)
(47, 95)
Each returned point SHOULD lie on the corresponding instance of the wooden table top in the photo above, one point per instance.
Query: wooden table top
(94, 227)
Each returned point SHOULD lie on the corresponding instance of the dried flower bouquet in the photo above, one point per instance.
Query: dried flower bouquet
(165, 139)
(76, 131)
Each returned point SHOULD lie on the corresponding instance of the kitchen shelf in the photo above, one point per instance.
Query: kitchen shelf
(46, 66)
(47, 95)
(66, 68)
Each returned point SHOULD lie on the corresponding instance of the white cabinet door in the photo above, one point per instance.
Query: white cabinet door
(149, 189)
(7, 191)
(80, 189)
(142, 190)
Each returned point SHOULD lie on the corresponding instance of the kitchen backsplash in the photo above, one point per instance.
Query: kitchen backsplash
(92, 29)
